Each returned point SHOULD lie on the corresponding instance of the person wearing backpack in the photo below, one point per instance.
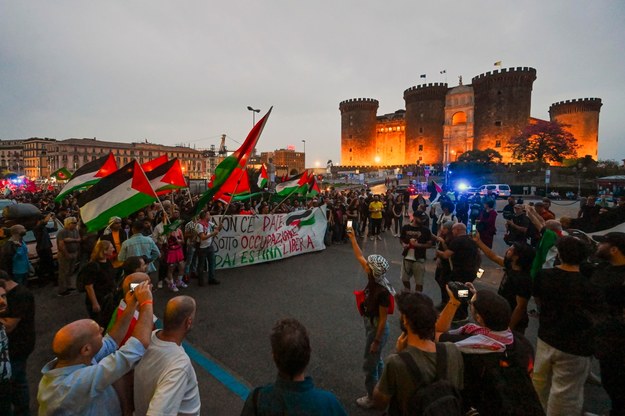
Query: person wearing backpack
(497, 361)
(423, 377)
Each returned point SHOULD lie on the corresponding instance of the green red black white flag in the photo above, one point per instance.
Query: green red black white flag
(119, 194)
(88, 175)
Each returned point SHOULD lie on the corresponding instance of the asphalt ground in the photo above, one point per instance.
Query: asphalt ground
(230, 339)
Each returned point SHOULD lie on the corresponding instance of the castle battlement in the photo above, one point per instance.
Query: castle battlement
(504, 71)
(359, 104)
(576, 105)
(434, 90)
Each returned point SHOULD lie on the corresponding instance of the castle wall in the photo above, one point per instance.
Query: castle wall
(425, 116)
(502, 107)
(358, 131)
(390, 141)
(582, 116)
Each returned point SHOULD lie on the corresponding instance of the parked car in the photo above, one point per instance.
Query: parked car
(410, 189)
(500, 190)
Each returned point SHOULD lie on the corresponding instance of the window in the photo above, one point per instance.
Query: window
(497, 143)
(420, 147)
(459, 118)
(420, 158)
(420, 129)
(350, 150)
(498, 123)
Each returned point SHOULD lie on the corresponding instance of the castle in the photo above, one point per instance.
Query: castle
(440, 123)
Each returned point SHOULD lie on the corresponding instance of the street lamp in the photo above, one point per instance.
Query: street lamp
(254, 111)
(304, 141)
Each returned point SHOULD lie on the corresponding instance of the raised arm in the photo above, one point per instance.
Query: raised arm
(357, 252)
(489, 253)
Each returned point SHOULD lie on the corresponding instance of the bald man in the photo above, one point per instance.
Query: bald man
(80, 380)
(165, 382)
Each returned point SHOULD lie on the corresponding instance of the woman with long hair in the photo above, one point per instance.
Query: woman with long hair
(98, 276)
(374, 310)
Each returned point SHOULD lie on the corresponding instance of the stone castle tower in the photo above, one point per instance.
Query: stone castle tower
(582, 118)
(440, 123)
(502, 106)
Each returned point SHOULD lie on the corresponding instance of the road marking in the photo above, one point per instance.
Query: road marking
(223, 376)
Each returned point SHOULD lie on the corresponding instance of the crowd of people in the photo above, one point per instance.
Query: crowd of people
(117, 363)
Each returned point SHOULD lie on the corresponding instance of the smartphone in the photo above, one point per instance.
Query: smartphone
(133, 286)
(480, 272)
(349, 223)
(463, 293)
(473, 229)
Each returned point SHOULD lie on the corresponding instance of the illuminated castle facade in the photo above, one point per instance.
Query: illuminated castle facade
(440, 123)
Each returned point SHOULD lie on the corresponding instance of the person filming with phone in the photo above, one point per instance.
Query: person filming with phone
(465, 261)
(516, 282)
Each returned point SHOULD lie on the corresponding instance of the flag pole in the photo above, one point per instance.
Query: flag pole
(243, 171)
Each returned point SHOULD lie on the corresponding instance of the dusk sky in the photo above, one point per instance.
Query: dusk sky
(184, 72)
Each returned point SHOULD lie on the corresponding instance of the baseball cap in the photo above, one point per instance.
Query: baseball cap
(615, 239)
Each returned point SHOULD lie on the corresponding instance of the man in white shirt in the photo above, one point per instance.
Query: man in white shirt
(165, 381)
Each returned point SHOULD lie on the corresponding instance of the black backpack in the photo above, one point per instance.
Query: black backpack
(439, 398)
(506, 388)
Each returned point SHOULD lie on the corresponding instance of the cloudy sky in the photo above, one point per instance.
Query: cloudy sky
(185, 71)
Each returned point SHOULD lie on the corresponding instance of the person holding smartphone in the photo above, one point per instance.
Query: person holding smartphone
(374, 310)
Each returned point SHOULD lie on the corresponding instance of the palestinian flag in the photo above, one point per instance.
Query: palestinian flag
(313, 186)
(263, 178)
(154, 163)
(303, 189)
(301, 218)
(238, 159)
(88, 175)
(61, 174)
(166, 177)
(291, 185)
(238, 184)
(119, 194)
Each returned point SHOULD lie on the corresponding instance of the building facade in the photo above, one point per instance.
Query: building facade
(37, 158)
(440, 123)
(285, 161)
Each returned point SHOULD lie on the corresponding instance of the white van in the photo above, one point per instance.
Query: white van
(500, 190)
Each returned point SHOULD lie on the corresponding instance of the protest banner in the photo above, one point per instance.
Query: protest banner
(252, 239)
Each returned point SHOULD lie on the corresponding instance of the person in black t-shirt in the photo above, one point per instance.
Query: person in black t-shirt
(415, 239)
(19, 321)
(465, 261)
(516, 282)
(99, 278)
(374, 310)
(610, 279)
(568, 303)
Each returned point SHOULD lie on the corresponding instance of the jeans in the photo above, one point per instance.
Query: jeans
(399, 222)
(373, 364)
(559, 380)
(19, 387)
(191, 264)
(375, 225)
(204, 256)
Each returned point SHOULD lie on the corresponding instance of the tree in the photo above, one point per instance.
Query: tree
(487, 156)
(544, 142)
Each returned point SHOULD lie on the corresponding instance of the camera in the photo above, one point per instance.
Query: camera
(133, 286)
(460, 291)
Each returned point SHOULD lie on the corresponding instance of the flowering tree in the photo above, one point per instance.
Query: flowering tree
(543, 142)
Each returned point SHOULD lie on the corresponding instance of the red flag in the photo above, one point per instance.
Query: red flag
(237, 160)
(152, 164)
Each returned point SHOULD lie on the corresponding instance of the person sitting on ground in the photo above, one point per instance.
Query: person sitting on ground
(164, 380)
(487, 345)
(81, 379)
(417, 343)
(293, 393)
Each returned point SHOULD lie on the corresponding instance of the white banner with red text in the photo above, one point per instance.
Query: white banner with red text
(252, 239)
